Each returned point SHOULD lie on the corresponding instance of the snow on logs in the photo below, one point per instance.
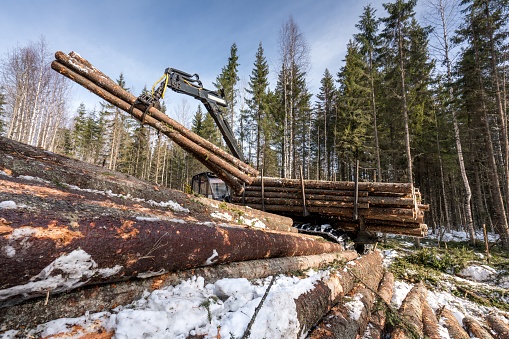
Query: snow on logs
(42, 253)
(381, 207)
(230, 169)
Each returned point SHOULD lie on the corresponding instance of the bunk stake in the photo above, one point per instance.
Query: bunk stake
(263, 192)
(356, 192)
(305, 210)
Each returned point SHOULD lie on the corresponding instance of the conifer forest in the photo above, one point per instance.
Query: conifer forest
(415, 100)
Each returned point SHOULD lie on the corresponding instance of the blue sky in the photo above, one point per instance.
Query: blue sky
(142, 38)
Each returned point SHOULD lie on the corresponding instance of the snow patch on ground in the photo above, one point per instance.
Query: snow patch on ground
(478, 273)
(222, 309)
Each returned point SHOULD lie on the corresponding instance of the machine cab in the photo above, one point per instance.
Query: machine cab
(210, 186)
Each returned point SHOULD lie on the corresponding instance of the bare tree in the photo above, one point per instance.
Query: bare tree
(443, 16)
(294, 58)
(35, 96)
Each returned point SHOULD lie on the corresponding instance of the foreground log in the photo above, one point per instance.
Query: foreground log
(108, 296)
(312, 306)
(430, 325)
(378, 316)
(348, 319)
(476, 329)
(367, 270)
(452, 325)
(411, 314)
(56, 256)
(61, 173)
(500, 327)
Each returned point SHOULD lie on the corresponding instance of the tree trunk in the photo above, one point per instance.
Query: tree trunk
(411, 314)
(454, 328)
(500, 216)
(475, 329)
(500, 327)
(405, 106)
(378, 316)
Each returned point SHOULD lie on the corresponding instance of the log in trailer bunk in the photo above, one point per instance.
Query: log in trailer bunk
(361, 210)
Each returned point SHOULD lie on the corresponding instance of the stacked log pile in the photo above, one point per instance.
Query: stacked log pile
(370, 206)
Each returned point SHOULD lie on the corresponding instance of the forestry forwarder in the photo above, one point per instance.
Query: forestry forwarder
(361, 228)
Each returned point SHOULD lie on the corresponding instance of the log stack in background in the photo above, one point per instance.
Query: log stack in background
(381, 207)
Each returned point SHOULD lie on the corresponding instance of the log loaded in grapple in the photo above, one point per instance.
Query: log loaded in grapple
(361, 209)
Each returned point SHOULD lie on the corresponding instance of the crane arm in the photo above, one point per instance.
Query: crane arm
(185, 83)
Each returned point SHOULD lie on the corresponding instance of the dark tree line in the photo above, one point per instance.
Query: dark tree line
(412, 102)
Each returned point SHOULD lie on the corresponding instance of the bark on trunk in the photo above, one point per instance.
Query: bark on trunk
(500, 327)
(24, 160)
(56, 255)
(475, 329)
(411, 314)
(454, 328)
(221, 167)
(378, 316)
(78, 64)
(429, 320)
(312, 306)
(348, 319)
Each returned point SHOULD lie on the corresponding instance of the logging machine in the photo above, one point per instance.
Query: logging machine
(182, 82)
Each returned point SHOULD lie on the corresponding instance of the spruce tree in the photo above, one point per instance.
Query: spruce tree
(354, 104)
(226, 81)
(368, 40)
(257, 104)
(324, 126)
